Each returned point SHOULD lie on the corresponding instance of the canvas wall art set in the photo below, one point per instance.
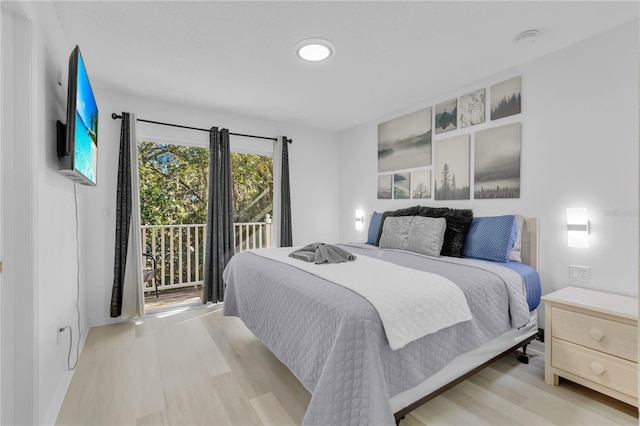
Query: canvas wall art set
(409, 159)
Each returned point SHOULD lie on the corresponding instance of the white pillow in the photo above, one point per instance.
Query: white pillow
(426, 235)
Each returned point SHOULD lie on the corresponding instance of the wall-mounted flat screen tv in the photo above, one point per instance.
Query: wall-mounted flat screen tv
(78, 139)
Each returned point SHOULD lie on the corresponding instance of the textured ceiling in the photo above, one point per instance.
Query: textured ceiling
(239, 56)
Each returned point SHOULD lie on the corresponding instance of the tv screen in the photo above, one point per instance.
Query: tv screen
(79, 157)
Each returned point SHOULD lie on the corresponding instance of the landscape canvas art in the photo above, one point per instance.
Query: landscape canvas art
(472, 107)
(505, 98)
(451, 172)
(401, 186)
(385, 186)
(497, 162)
(446, 116)
(405, 142)
(421, 184)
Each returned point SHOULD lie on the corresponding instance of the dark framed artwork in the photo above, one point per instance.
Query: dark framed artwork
(505, 98)
(451, 171)
(446, 117)
(421, 184)
(472, 108)
(385, 186)
(497, 162)
(405, 142)
(401, 185)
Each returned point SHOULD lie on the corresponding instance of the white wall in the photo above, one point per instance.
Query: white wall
(43, 225)
(57, 254)
(18, 325)
(313, 163)
(579, 149)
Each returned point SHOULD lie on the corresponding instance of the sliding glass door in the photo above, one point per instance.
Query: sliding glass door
(173, 212)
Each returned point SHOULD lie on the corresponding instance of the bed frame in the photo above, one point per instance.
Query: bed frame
(530, 257)
(530, 242)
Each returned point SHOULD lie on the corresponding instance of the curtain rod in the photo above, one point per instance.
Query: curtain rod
(115, 116)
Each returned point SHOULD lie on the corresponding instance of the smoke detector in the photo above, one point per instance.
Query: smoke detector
(527, 37)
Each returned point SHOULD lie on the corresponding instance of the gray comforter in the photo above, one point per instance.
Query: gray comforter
(332, 339)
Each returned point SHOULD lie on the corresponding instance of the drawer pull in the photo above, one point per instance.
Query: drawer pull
(598, 368)
(598, 333)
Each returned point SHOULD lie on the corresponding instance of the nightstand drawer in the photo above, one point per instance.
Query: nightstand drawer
(609, 371)
(603, 335)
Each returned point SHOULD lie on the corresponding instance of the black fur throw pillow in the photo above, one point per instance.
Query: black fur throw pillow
(458, 223)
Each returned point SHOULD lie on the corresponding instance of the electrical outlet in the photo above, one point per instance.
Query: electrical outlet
(581, 274)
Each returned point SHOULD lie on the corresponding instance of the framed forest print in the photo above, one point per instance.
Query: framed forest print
(505, 98)
(451, 172)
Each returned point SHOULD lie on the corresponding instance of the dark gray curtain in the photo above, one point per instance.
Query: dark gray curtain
(123, 215)
(286, 235)
(219, 245)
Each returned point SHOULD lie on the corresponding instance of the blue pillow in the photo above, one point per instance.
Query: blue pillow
(491, 238)
(374, 227)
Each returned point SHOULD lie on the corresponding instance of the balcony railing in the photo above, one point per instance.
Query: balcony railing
(179, 250)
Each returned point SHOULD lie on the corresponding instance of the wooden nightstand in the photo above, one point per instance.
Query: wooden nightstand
(592, 339)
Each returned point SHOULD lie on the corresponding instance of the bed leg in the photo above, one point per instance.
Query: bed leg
(399, 420)
(524, 357)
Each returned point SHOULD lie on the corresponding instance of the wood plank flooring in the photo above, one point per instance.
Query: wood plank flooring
(172, 298)
(197, 367)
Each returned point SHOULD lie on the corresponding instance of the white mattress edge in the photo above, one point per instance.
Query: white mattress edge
(465, 363)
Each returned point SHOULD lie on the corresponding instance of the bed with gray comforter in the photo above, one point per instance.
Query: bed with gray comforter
(333, 340)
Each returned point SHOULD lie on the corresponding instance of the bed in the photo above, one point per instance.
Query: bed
(335, 342)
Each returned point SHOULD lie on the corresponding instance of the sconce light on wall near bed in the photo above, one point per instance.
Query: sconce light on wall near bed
(359, 220)
(577, 227)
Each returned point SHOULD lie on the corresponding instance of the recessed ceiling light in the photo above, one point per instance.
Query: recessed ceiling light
(315, 49)
(527, 37)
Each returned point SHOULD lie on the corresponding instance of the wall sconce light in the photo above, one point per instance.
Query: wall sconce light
(359, 220)
(577, 227)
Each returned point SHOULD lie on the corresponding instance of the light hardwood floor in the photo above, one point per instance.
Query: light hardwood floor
(199, 367)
